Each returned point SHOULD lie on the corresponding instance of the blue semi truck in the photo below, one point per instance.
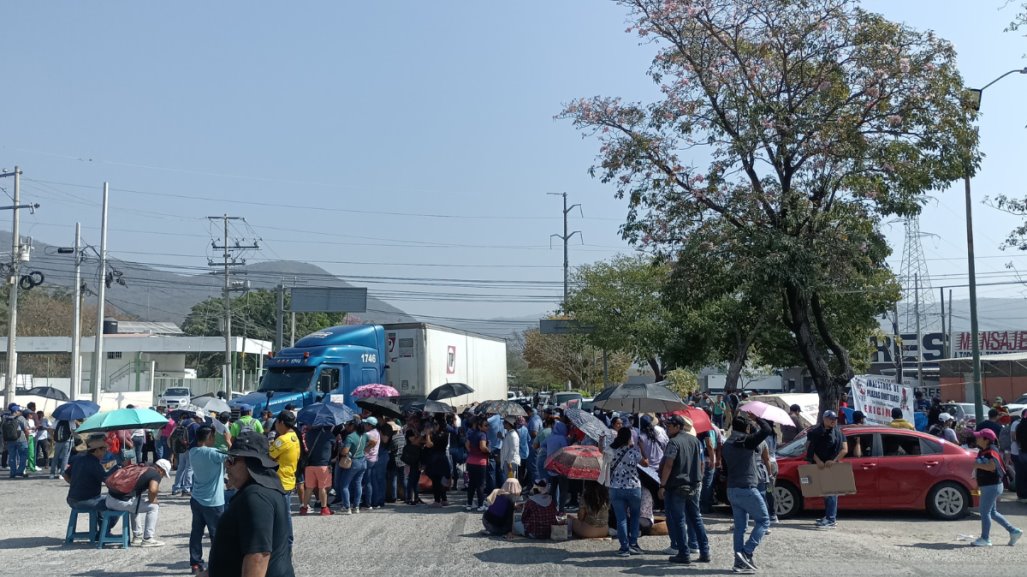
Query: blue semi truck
(414, 358)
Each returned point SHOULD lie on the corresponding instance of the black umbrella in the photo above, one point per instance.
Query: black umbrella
(502, 408)
(449, 390)
(437, 407)
(380, 406)
(592, 427)
(48, 393)
(605, 394)
(641, 398)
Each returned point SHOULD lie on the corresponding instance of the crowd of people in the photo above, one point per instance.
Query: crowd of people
(657, 477)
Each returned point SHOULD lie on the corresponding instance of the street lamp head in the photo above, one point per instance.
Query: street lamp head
(973, 98)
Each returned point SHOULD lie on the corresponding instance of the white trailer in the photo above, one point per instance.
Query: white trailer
(421, 357)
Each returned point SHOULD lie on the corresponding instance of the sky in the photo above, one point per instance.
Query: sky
(406, 146)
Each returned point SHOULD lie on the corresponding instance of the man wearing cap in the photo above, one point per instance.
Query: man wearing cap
(85, 475)
(253, 533)
(825, 446)
(245, 422)
(208, 498)
(285, 450)
(133, 502)
(18, 449)
(680, 484)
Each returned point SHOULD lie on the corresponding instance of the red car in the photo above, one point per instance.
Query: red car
(894, 469)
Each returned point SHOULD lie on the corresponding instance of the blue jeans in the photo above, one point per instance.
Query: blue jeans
(139, 443)
(494, 477)
(352, 483)
(378, 481)
(694, 527)
(747, 503)
(532, 464)
(367, 495)
(989, 510)
(61, 453)
(627, 506)
(184, 475)
(392, 473)
(706, 497)
(19, 455)
(677, 520)
(160, 448)
(288, 515)
(831, 508)
(203, 517)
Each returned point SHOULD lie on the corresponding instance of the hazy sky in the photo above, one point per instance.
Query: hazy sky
(390, 142)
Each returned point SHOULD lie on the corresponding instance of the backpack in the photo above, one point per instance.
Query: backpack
(11, 429)
(1005, 438)
(62, 433)
(246, 426)
(123, 481)
(937, 430)
(180, 439)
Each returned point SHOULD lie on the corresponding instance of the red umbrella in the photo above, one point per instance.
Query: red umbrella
(700, 420)
(577, 462)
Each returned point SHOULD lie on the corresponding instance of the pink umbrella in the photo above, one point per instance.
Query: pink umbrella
(767, 412)
(376, 390)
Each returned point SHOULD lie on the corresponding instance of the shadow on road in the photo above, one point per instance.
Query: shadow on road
(29, 542)
(651, 564)
(937, 546)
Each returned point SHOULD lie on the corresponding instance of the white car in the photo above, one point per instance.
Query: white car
(175, 397)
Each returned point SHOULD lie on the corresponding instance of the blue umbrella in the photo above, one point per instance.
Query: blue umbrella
(324, 415)
(75, 410)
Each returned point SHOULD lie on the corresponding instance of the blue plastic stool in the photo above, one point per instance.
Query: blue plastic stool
(125, 538)
(73, 532)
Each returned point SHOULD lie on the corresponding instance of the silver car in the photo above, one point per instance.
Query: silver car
(175, 397)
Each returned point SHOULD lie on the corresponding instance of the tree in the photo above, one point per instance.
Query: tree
(622, 301)
(683, 382)
(253, 316)
(572, 359)
(525, 377)
(797, 124)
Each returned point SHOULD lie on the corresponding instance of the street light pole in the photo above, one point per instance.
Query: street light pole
(975, 345)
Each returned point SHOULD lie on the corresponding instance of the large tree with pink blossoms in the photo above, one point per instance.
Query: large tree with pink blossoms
(787, 130)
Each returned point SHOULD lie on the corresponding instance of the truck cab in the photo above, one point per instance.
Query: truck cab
(322, 366)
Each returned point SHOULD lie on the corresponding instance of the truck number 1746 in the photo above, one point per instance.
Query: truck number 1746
(369, 358)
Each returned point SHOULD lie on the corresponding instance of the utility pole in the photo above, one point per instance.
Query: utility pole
(944, 335)
(76, 323)
(566, 237)
(101, 303)
(229, 260)
(919, 335)
(12, 281)
(896, 345)
(279, 313)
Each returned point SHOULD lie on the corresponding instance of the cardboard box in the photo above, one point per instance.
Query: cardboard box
(834, 480)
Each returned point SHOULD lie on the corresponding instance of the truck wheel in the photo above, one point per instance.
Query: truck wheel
(787, 500)
(948, 501)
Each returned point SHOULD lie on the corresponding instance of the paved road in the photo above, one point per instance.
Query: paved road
(418, 541)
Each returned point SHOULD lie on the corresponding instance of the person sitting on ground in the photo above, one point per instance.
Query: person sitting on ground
(592, 521)
(539, 514)
(898, 422)
(498, 518)
(148, 480)
(85, 475)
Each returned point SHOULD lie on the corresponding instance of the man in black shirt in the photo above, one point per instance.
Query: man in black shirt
(680, 483)
(825, 446)
(739, 454)
(253, 534)
(990, 423)
(85, 475)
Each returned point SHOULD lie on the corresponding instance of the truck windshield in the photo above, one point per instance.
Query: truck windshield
(287, 379)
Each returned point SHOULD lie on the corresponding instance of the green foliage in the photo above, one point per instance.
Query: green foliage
(787, 129)
(682, 381)
(253, 316)
(571, 358)
(622, 300)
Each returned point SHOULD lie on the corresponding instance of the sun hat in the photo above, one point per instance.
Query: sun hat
(262, 468)
(164, 465)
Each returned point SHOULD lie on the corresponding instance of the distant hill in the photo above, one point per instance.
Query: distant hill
(151, 294)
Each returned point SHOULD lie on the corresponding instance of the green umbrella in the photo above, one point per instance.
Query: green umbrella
(120, 419)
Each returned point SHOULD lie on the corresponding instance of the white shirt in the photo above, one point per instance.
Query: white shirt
(510, 452)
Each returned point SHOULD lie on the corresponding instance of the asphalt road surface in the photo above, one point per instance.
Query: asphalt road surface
(412, 541)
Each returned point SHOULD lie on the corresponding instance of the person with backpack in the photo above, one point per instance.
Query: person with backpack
(62, 435)
(245, 422)
(125, 488)
(287, 451)
(182, 439)
(16, 434)
(989, 473)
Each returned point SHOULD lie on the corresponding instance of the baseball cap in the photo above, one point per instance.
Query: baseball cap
(944, 417)
(165, 466)
(373, 421)
(986, 434)
(829, 414)
(676, 420)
